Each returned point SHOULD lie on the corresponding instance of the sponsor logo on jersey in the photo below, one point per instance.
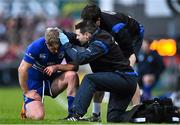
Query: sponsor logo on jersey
(42, 56)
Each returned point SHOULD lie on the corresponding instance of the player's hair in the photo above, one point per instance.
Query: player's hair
(52, 36)
(86, 26)
(91, 12)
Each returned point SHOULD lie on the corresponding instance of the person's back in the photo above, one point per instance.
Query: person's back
(113, 60)
(124, 30)
(127, 32)
(110, 19)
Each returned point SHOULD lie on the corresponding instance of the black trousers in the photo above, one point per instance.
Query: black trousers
(121, 87)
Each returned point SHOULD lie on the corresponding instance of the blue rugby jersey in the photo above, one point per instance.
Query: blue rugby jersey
(40, 57)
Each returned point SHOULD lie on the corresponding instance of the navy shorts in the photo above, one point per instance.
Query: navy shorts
(42, 87)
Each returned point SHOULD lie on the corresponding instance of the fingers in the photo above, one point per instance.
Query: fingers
(32, 94)
(48, 71)
(37, 97)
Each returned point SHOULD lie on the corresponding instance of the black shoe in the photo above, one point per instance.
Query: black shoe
(70, 115)
(95, 118)
(73, 117)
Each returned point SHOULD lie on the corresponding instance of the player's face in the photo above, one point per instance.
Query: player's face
(83, 38)
(53, 48)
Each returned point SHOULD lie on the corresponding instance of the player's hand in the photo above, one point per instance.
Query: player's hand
(32, 94)
(50, 70)
(63, 38)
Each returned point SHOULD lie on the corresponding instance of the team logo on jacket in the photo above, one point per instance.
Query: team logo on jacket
(42, 55)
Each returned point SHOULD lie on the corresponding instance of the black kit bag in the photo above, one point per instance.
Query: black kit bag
(153, 111)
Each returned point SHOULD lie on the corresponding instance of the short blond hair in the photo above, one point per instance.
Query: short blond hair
(52, 35)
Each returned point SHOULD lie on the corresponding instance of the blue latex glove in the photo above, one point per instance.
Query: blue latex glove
(63, 38)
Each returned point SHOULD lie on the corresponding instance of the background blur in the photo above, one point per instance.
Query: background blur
(22, 21)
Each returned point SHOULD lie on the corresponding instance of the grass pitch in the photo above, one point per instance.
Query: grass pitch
(55, 109)
(11, 103)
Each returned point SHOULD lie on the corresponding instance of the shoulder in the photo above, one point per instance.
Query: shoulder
(108, 13)
(103, 38)
(36, 44)
(103, 35)
(39, 41)
(100, 44)
(114, 14)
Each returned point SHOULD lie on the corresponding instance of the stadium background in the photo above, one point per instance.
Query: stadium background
(22, 21)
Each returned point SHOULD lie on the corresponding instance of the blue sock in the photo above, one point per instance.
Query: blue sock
(147, 90)
(70, 102)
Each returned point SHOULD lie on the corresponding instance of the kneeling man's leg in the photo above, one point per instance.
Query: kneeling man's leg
(34, 109)
(69, 80)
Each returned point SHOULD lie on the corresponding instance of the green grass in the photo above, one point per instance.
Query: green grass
(11, 103)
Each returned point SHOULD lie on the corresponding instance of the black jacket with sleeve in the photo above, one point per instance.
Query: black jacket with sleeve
(101, 52)
(127, 32)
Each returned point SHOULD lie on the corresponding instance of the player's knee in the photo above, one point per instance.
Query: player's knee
(88, 82)
(38, 116)
(35, 114)
(71, 75)
(88, 77)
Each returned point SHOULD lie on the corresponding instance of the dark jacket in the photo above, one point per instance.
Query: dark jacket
(127, 32)
(101, 52)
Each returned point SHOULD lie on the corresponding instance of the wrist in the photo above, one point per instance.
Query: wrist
(25, 92)
(55, 67)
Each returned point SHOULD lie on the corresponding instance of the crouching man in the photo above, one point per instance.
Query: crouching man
(41, 73)
(111, 71)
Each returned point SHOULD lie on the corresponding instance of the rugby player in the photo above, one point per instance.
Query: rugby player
(41, 73)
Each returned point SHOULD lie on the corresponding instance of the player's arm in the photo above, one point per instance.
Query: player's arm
(65, 67)
(23, 75)
(60, 67)
(83, 55)
(95, 50)
(69, 66)
(27, 62)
